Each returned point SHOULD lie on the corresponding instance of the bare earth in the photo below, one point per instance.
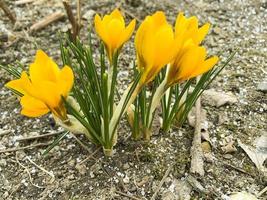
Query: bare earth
(136, 169)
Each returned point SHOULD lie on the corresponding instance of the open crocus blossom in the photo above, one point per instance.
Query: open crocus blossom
(192, 63)
(189, 36)
(43, 89)
(113, 32)
(155, 45)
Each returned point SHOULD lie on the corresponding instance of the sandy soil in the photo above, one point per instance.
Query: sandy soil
(136, 169)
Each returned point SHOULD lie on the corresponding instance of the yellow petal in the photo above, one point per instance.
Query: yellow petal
(206, 66)
(127, 33)
(164, 40)
(100, 29)
(115, 29)
(202, 32)
(66, 79)
(116, 14)
(21, 84)
(32, 107)
(188, 63)
(47, 92)
(43, 68)
(144, 43)
(159, 18)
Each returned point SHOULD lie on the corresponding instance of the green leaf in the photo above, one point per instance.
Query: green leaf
(55, 143)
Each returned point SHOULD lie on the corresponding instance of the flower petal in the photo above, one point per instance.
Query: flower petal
(100, 29)
(206, 66)
(43, 68)
(32, 107)
(21, 84)
(127, 33)
(116, 14)
(66, 79)
(202, 32)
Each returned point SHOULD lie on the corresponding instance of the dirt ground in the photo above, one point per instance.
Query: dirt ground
(136, 169)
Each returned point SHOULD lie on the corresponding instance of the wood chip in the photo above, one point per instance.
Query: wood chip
(22, 2)
(46, 21)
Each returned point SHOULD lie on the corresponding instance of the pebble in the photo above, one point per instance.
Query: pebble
(88, 15)
(126, 179)
(126, 166)
(262, 86)
(3, 163)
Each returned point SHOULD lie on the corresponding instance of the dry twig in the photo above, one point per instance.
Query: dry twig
(46, 21)
(28, 172)
(197, 163)
(129, 13)
(41, 168)
(126, 195)
(90, 156)
(162, 182)
(74, 23)
(38, 136)
(26, 147)
(8, 12)
(80, 143)
(21, 2)
(262, 192)
(4, 132)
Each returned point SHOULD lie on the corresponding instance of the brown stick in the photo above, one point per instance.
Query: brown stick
(38, 136)
(90, 156)
(26, 147)
(4, 132)
(21, 2)
(162, 182)
(262, 192)
(79, 13)
(126, 195)
(75, 26)
(197, 163)
(46, 21)
(8, 12)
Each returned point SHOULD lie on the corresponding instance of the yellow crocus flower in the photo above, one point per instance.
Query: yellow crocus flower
(43, 88)
(192, 63)
(189, 36)
(113, 32)
(154, 43)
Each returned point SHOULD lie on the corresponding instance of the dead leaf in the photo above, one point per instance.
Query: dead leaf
(196, 184)
(257, 156)
(181, 189)
(218, 99)
(261, 143)
(242, 196)
(229, 148)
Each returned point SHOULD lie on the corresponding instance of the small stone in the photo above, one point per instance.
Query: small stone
(262, 86)
(3, 163)
(168, 196)
(71, 163)
(228, 156)
(71, 177)
(126, 179)
(5, 195)
(126, 166)
(206, 147)
(89, 15)
(81, 168)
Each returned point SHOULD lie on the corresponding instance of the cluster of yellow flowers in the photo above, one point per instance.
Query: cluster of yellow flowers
(157, 44)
